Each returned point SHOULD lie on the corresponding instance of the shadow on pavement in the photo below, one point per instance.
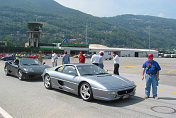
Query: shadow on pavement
(121, 102)
(34, 80)
(117, 103)
(167, 98)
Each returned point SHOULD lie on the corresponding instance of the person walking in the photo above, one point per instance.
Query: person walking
(151, 68)
(54, 59)
(81, 57)
(66, 58)
(116, 63)
(101, 65)
(95, 59)
(40, 56)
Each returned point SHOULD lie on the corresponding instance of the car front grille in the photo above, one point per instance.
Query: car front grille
(125, 91)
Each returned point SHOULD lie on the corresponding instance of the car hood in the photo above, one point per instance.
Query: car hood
(111, 82)
(34, 68)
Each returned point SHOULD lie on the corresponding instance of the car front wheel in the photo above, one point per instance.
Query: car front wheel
(47, 82)
(6, 71)
(86, 92)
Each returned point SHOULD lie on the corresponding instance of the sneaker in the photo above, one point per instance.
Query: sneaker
(146, 97)
(156, 98)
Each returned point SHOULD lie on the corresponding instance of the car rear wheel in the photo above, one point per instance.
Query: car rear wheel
(6, 71)
(20, 75)
(47, 82)
(86, 92)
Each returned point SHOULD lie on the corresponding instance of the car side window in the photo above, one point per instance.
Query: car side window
(60, 69)
(16, 62)
(70, 70)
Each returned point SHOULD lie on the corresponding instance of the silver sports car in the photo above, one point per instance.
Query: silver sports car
(89, 81)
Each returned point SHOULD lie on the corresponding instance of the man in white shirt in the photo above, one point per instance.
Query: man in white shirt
(116, 63)
(54, 59)
(95, 59)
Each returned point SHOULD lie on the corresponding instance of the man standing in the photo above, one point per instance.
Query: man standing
(54, 59)
(116, 63)
(17, 56)
(81, 58)
(101, 65)
(152, 69)
(66, 58)
(95, 59)
(40, 56)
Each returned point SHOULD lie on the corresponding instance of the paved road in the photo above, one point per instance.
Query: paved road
(29, 99)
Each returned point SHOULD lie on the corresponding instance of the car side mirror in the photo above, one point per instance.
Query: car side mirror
(106, 70)
(44, 63)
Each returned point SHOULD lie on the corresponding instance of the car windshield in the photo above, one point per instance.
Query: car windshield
(30, 62)
(90, 70)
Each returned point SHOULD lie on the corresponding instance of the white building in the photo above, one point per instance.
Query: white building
(123, 52)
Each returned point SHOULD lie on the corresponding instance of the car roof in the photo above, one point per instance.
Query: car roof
(78, 64)
(27, 59)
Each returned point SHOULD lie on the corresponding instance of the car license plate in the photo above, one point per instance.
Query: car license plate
(125, 96)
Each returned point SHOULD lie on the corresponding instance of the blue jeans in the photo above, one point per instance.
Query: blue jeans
(101, 66)
(151, 80)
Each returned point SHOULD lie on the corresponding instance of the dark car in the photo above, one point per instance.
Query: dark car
(25, 68)
(9, 57)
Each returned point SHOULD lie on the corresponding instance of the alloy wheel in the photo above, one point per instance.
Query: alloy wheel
(86, 92)
(47, 82)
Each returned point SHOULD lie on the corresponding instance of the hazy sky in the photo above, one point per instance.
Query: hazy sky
(101, 8)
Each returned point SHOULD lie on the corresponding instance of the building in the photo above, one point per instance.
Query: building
(123, 52)
(34, 34)
(74, 48)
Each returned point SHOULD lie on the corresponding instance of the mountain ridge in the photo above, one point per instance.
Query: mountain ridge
(59, 22)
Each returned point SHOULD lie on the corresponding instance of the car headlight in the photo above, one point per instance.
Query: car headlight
(25, 69)
(112, 93)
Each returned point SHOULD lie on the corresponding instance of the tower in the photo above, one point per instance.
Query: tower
(34, 34)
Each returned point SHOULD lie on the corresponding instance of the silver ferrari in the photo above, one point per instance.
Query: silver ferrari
(89, 81)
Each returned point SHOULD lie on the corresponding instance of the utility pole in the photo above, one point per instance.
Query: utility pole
(86, 32)
(149, 33)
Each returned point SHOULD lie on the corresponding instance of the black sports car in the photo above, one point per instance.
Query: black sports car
(25, 68)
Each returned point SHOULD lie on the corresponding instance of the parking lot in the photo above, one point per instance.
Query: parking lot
(30, 99)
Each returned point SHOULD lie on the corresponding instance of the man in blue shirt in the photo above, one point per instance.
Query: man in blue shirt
(152, 69)
(66, 58)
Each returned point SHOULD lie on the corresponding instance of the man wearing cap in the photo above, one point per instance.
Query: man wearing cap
(101, 65)
(40, 56)
(81, 58)
(152, 69)
(66, 58)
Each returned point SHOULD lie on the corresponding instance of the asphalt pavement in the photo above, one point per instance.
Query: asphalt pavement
(30, 99)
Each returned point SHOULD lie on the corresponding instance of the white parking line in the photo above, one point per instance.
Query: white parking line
(4, 113)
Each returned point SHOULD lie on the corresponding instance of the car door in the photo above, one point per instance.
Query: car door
(65, 78)
(14, 67)
(69, 77)
(8, 65)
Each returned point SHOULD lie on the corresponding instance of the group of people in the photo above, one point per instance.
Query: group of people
(150, 68)
(98, 60)
(18, 55)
